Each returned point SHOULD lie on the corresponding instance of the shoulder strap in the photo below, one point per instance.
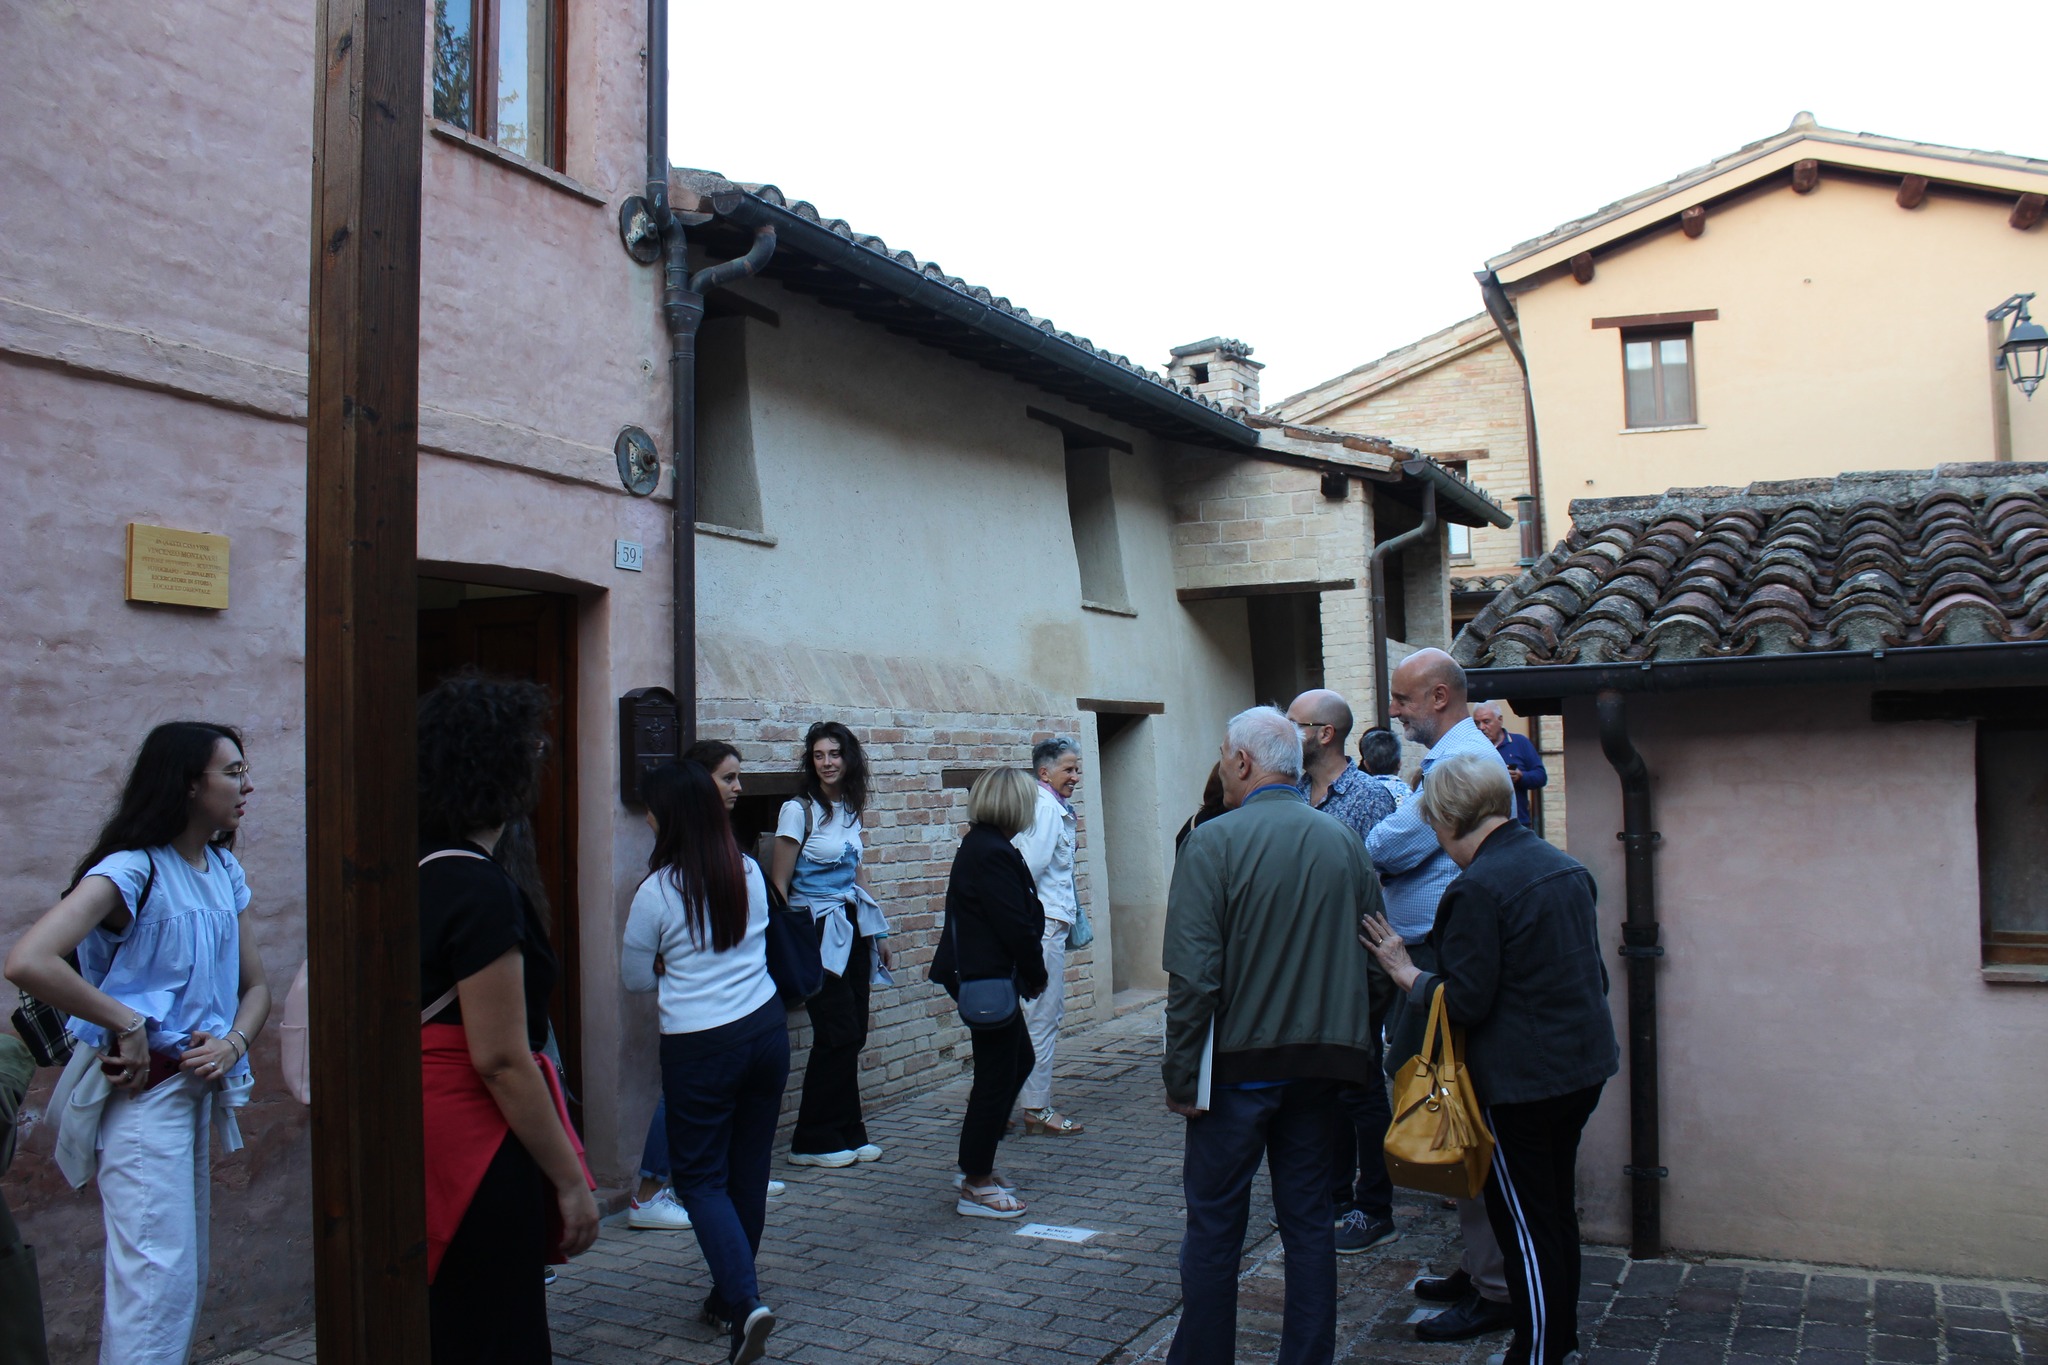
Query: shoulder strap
(807, 823)
(447, 997)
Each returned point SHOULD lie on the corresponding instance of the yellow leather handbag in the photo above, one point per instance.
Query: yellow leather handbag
(1438, 1141)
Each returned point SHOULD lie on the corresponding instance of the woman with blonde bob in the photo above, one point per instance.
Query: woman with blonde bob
(1518, 953)
(993, 928)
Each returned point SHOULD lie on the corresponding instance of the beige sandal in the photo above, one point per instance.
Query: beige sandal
(1049, 1122)
(987, 1201)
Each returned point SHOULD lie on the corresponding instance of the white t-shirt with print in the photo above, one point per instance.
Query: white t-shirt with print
(830, 836)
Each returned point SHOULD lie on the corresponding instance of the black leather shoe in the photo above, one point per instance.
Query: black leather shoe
(1471, 1316)
(1451, 1288)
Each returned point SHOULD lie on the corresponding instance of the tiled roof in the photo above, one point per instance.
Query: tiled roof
(1489, 583)
(1887, 560)
(1404, 362)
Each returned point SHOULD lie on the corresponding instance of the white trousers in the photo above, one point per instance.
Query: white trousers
(1043, 1015)
(154, 1179)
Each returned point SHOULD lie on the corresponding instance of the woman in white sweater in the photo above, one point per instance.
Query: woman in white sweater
(703, 910)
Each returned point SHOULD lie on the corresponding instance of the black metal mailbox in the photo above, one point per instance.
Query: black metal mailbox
(650, 734)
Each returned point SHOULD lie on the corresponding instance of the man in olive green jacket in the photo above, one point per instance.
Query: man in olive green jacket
(1268, 1010)
(21, 1298)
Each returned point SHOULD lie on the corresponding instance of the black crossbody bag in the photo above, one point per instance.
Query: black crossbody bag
(42, 1026)
(985, 1001)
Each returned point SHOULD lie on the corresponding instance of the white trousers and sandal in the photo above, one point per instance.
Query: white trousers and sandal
(1043, 1017)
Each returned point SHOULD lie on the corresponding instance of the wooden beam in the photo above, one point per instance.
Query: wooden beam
(1266, 589)
(1120, 708)
(1582, 267)
(1693, 221)
(1805, 176)
(1912, 192)
(2027, 211)
(959, 779)
(362, 465)
(1659, 319)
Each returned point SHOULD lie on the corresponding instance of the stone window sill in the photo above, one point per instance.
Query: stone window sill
(491, 151)
(2016, 974)
(1106, 609)
(707, 528)
(1646, 431)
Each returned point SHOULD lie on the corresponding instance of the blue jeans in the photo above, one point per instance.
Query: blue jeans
(723, 1092)
(1294, 1128)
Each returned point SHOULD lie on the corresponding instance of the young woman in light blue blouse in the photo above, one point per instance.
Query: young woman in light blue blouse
(166, 998)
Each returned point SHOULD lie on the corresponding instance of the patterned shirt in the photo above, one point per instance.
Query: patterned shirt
(1355, 798)
(1413, 867)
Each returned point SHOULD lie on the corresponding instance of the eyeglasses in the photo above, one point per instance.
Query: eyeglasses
(1310, 724)
(237, 771)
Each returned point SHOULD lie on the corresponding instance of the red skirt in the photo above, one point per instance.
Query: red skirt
(464, 1129)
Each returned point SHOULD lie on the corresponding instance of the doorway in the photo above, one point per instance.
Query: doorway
(515, 633)
(1287, 645)
(1133, 860)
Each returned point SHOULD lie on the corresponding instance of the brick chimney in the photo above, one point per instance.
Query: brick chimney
(1219, 369)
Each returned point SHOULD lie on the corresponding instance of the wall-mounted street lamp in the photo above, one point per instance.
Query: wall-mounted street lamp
(2023, 355)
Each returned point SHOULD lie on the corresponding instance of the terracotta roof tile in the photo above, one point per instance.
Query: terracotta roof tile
(1878, 560)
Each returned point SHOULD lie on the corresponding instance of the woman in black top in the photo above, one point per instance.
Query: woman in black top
(1518, 953)
(993, 928)
(507, 1190)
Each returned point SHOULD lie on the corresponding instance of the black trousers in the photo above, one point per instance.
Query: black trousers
(828, 1119)
(21, 1298)
(1003, 1059)
(1365, 1115)
(1532, 1202)
(487, 1305)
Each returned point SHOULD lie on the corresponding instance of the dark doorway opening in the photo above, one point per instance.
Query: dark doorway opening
(532, 635)
(1287, 645)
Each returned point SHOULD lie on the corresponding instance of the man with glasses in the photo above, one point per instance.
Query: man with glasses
(1333, 784)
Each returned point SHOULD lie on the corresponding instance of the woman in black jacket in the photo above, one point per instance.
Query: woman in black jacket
(1518, 953)
(993, 928)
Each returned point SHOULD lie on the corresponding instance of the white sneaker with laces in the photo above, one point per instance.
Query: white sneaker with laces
(827, 1159)
(660, 1214)
(775, 1187)
(867, 1151)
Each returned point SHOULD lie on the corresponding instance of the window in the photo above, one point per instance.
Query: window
(728, 488)
(2012, 842)
(1458, 538)
(1092, 508)
(1657, 377)
(498, 73)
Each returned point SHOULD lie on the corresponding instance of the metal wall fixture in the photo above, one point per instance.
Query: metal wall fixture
(2023, 355)
(639, 461)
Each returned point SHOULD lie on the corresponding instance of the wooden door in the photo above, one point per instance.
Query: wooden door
(531, 636)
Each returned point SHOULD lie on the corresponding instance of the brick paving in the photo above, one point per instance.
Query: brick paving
(872, 1264)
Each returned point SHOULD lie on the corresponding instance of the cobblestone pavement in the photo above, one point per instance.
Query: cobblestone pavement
(872, 1264)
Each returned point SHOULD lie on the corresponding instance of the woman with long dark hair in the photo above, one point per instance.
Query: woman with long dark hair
(165, 1000)
(507, 1190)
(817, 866)
(703, 912)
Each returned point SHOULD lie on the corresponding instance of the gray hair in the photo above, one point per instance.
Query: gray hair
(1463, 790)
(1272, 740)
(1047, 752)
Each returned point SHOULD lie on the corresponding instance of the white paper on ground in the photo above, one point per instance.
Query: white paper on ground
(1054, 1233)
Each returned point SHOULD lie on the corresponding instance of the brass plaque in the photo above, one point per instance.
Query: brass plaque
(183, 568)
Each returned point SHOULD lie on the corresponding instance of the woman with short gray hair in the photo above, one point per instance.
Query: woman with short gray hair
(1518, 961)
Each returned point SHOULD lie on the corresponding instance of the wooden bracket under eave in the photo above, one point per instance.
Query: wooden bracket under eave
(1582, 267)
(1805, 176)
(1693, 221)
(1912, 191)
(2027, 211)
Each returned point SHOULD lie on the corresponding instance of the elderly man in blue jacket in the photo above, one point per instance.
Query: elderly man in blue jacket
(1525, 763)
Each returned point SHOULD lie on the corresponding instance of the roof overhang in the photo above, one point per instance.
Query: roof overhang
(1988, 172)
(1920, 666)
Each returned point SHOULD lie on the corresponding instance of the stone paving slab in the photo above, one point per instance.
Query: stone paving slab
(872, 1264)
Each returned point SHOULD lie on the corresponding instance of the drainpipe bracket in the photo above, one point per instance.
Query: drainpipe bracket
(640, 230)
(1650, 840)
(1640, 950)
(1647, 1172)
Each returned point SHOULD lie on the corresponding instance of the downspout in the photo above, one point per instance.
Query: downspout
(1378, 575)
(1503, 314)
(682, 312)
(1640, 949)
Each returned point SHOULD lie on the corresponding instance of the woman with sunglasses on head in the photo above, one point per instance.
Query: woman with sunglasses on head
(507, 1189)
(166, 998)
(817, 866)
(653, 1206)
(702, 913)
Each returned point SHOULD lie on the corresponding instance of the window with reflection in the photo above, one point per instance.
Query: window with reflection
(1458, 539)
(1657, 378)
(498, 73)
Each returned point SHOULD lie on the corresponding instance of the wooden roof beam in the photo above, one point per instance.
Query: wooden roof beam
(1912, 191)
(2028, 210)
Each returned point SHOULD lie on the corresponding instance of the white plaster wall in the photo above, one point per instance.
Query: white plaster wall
(1839, 1083)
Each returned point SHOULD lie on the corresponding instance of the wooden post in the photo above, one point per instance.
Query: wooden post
(362, 919)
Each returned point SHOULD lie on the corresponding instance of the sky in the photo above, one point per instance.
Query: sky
(1318, 180)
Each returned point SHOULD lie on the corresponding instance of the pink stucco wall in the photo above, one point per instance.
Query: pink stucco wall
(1839, 1082)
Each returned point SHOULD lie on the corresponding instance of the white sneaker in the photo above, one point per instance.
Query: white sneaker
(824, 1158)
(660, 1214)
(867, 1151)
(775, 1187)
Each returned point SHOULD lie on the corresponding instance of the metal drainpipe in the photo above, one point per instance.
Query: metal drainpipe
(682, 311)
(1378, 573)
(1502, 311)
(1640, 948)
